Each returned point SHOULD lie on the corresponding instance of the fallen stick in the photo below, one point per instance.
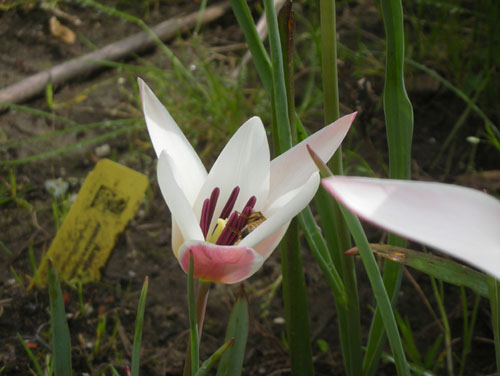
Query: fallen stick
(35, 84)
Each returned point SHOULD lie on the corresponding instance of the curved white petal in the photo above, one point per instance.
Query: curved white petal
(462, 222)
(279, 215)
(292, 168)
(179, 206)
(177, 238)
(244, 162)
(166, 135)
(220, 263)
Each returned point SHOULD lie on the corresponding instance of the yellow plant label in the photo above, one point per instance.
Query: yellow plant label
(107, 201)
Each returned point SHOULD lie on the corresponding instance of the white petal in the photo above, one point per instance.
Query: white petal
(278, 216)
(177, 202)
(244, 162)
(268, 245)
(166, 136)
(292, 168)
(462, 222)
(177, 238)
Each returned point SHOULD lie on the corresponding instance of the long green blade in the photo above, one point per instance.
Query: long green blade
(399, 125)
(231, 362)
(494, 289)
(139, 322)
(319, 249)
(61, 342)
(337, 236)
(381, 296)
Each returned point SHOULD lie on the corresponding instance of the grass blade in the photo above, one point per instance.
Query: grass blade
(32, 356)
(231, 362)
(139, 321)
(61, 342)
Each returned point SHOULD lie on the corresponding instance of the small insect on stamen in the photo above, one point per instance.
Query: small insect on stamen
(254, 220)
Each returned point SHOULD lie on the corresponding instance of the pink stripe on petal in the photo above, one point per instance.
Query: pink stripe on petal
(220, 263)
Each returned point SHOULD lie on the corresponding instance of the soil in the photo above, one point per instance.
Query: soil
(26, 47)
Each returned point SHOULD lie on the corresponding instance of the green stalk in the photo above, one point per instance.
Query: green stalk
(255, 45)
(193, 354)
(337, 237)
(399, 125)
(294, 286)
(196, 310)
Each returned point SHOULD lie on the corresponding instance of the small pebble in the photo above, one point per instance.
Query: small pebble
(279, 320)
(102, 150)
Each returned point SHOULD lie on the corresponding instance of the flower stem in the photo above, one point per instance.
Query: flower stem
(201, 305)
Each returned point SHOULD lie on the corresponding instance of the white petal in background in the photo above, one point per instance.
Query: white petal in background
(462, 222)
(292, 168)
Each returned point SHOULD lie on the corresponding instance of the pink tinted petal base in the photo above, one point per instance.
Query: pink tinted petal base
(462, 222)
(219, 263)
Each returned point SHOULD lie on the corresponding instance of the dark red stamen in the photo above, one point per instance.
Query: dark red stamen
(229, 229)
(251, 202)
(228, 208)
(236, 222)
(213, 202)
(207, 211)
(203, 219)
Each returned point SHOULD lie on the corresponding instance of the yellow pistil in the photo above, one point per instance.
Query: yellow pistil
(221, 223)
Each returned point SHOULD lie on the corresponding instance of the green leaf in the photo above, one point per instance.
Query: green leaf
(410, 345)
(61, 342)
(139, 321)
(231, 362)
(282, 139)
(435, 266)
(210, 362)
(433, 352)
